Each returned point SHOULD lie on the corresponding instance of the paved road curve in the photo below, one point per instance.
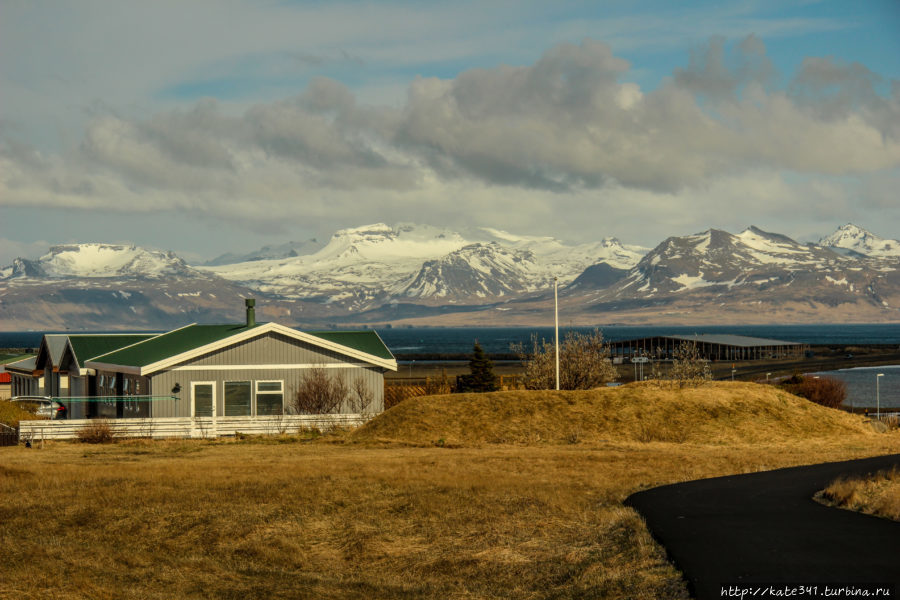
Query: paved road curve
(765, 528)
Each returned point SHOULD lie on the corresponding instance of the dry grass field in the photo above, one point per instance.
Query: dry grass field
(879, 495)
(505, 495)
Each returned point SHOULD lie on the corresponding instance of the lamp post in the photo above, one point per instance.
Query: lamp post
(556, 324)
(878, 396)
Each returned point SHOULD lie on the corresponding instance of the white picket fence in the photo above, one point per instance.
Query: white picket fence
(187, 427)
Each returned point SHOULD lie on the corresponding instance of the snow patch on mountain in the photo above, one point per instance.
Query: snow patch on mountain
(420, 261)
(94, 260)
(856, 239)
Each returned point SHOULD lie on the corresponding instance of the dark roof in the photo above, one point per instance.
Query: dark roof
(170, 344)
(364, 341)
(26, 365)
(87, 345)
(724, 339)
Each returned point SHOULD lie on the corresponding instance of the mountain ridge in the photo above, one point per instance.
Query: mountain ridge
(420, 274)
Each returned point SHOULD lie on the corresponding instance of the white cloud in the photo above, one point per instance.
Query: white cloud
(521, 147)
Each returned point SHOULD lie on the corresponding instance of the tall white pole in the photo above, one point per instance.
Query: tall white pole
(556, 324)
(878, 396)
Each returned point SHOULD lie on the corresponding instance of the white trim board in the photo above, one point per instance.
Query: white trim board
(293, 366)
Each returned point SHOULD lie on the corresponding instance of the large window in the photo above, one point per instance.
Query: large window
(269, 398)
(237, 398)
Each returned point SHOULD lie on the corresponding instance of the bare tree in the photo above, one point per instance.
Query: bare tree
(583, 362)
(319, 393)
(361, 396)
(688, 367)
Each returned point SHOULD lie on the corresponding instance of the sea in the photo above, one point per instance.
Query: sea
(408, 342)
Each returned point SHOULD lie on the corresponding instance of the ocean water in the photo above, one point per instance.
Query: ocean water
(497, 340)
(861, 387)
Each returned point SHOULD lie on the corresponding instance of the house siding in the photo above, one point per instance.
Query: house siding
(252, 360)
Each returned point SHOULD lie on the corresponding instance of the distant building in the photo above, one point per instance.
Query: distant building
(710, 346)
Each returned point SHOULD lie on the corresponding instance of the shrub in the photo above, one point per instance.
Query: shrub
(96, 432)
(583, 362)
(11, 413)
(688, 368)
(826, 391)
(319, 393)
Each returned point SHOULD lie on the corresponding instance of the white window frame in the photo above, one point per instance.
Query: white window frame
(256, 392)
(214, 403)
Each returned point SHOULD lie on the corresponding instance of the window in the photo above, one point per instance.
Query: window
(269, 398)
(237, 398)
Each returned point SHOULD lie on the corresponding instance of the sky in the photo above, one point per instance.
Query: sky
(217, 126)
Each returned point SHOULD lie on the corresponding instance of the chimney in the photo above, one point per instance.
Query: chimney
(251, 312)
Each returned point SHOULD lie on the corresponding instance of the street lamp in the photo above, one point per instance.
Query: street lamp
(878, 396)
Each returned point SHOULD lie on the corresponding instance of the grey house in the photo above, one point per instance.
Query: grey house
(245, 370)
(25, 379)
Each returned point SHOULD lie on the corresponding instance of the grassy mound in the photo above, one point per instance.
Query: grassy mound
(715, 413)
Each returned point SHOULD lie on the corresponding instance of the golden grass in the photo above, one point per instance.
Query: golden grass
(714, 413)
(342, 517)
(878, 495)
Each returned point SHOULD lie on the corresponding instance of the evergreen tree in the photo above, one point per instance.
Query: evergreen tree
(481, 376)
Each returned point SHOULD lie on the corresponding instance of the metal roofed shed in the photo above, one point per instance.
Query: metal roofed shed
(711, 347)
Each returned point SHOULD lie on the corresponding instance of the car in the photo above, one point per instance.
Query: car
(42, 406)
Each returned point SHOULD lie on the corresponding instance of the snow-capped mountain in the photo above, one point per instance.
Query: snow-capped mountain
(481, 270)
(100, 260)
(856, 239)
(288, 250)
(109, 286)
(366, 265)
(719, 258)
(754, 272)
(428, 275)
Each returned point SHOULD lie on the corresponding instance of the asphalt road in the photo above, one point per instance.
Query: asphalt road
(765, 528)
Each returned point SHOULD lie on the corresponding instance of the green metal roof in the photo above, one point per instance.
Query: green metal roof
(170, 344)
(11, 358)
(161, 347)
(364, 341)
(86, 346)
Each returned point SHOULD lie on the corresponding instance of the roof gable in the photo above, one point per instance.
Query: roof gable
(52, 346)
